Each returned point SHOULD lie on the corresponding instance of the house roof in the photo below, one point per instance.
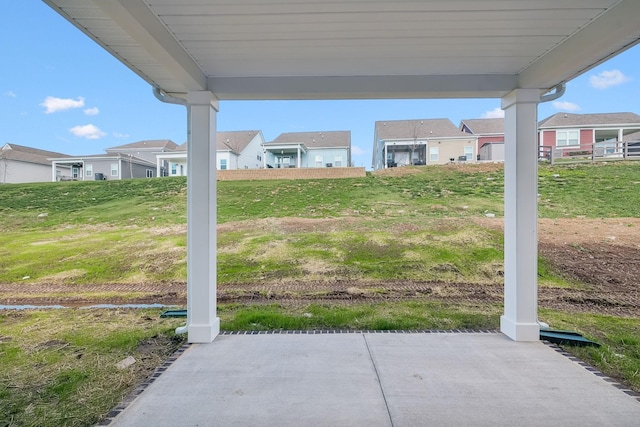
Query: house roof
(420, 129)
(153, 144)
(314, 49)
(27, 154)
(108, 156)
(586, 120)
(322, 139)
(484, 126)
(235, 141)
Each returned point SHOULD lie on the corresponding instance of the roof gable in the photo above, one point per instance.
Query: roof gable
(28, 154)
(418, 129)
(235, 141)
(484, 126)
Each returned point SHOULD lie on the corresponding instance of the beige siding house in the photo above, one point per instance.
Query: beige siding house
(421, 142)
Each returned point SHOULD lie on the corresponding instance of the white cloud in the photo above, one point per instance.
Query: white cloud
(496, 113)
(566, 106)
(357, 151)
(607, 79)
(87, 131)
(53, 104)
(94, 111)
(120, 135)
(11, 94)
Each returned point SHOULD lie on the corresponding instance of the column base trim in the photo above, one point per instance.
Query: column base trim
(519, 331)
(204, 334)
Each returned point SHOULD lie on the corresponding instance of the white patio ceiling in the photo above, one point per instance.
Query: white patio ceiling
(318, 49)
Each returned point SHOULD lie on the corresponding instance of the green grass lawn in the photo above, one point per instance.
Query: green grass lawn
(418, 226)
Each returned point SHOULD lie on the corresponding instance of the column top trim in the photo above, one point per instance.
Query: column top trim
(521, 96)
(203, 97)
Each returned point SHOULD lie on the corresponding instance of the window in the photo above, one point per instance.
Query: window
(174, 169)
(259, 157)
(114, 169)
(75, 172)
(433, 154)
(88, 170)
(337, 161)
(223, 164)
(149, 173)
(468, 152)
(567, 137)
(319, 161)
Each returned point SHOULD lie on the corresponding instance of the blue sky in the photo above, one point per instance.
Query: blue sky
(61, 92)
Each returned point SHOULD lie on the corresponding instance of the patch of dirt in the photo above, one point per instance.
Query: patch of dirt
(604, 254)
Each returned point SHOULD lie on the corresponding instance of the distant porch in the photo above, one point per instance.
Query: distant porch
(284, 155)
(405, 154)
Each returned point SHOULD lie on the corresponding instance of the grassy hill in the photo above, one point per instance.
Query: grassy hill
(398, 224)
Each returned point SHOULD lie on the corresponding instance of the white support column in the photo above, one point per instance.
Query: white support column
(384, 160)
(299, 162)
(520, 319)
(202, 324)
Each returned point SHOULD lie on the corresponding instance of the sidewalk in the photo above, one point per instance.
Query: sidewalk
(378, 379)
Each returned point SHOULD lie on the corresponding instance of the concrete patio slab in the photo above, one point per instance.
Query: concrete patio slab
(378, 379)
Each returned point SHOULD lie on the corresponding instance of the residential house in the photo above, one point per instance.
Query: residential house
(490, 133)
(147, 150)
(173, 163)
(234, 150)
(239, 150)
(20, 164)
(421, 142)
(101, 167)
(309, 150)
(566, 131)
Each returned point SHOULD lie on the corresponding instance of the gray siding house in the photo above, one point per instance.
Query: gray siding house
(147, 150)
(309, 150)
(20, 164)
(135, 160)
(102, 167)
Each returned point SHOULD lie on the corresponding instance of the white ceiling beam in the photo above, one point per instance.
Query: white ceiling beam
(140, 23)
(362, 87)
(616, 30)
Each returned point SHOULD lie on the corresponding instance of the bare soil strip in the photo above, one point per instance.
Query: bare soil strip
(604, 254)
